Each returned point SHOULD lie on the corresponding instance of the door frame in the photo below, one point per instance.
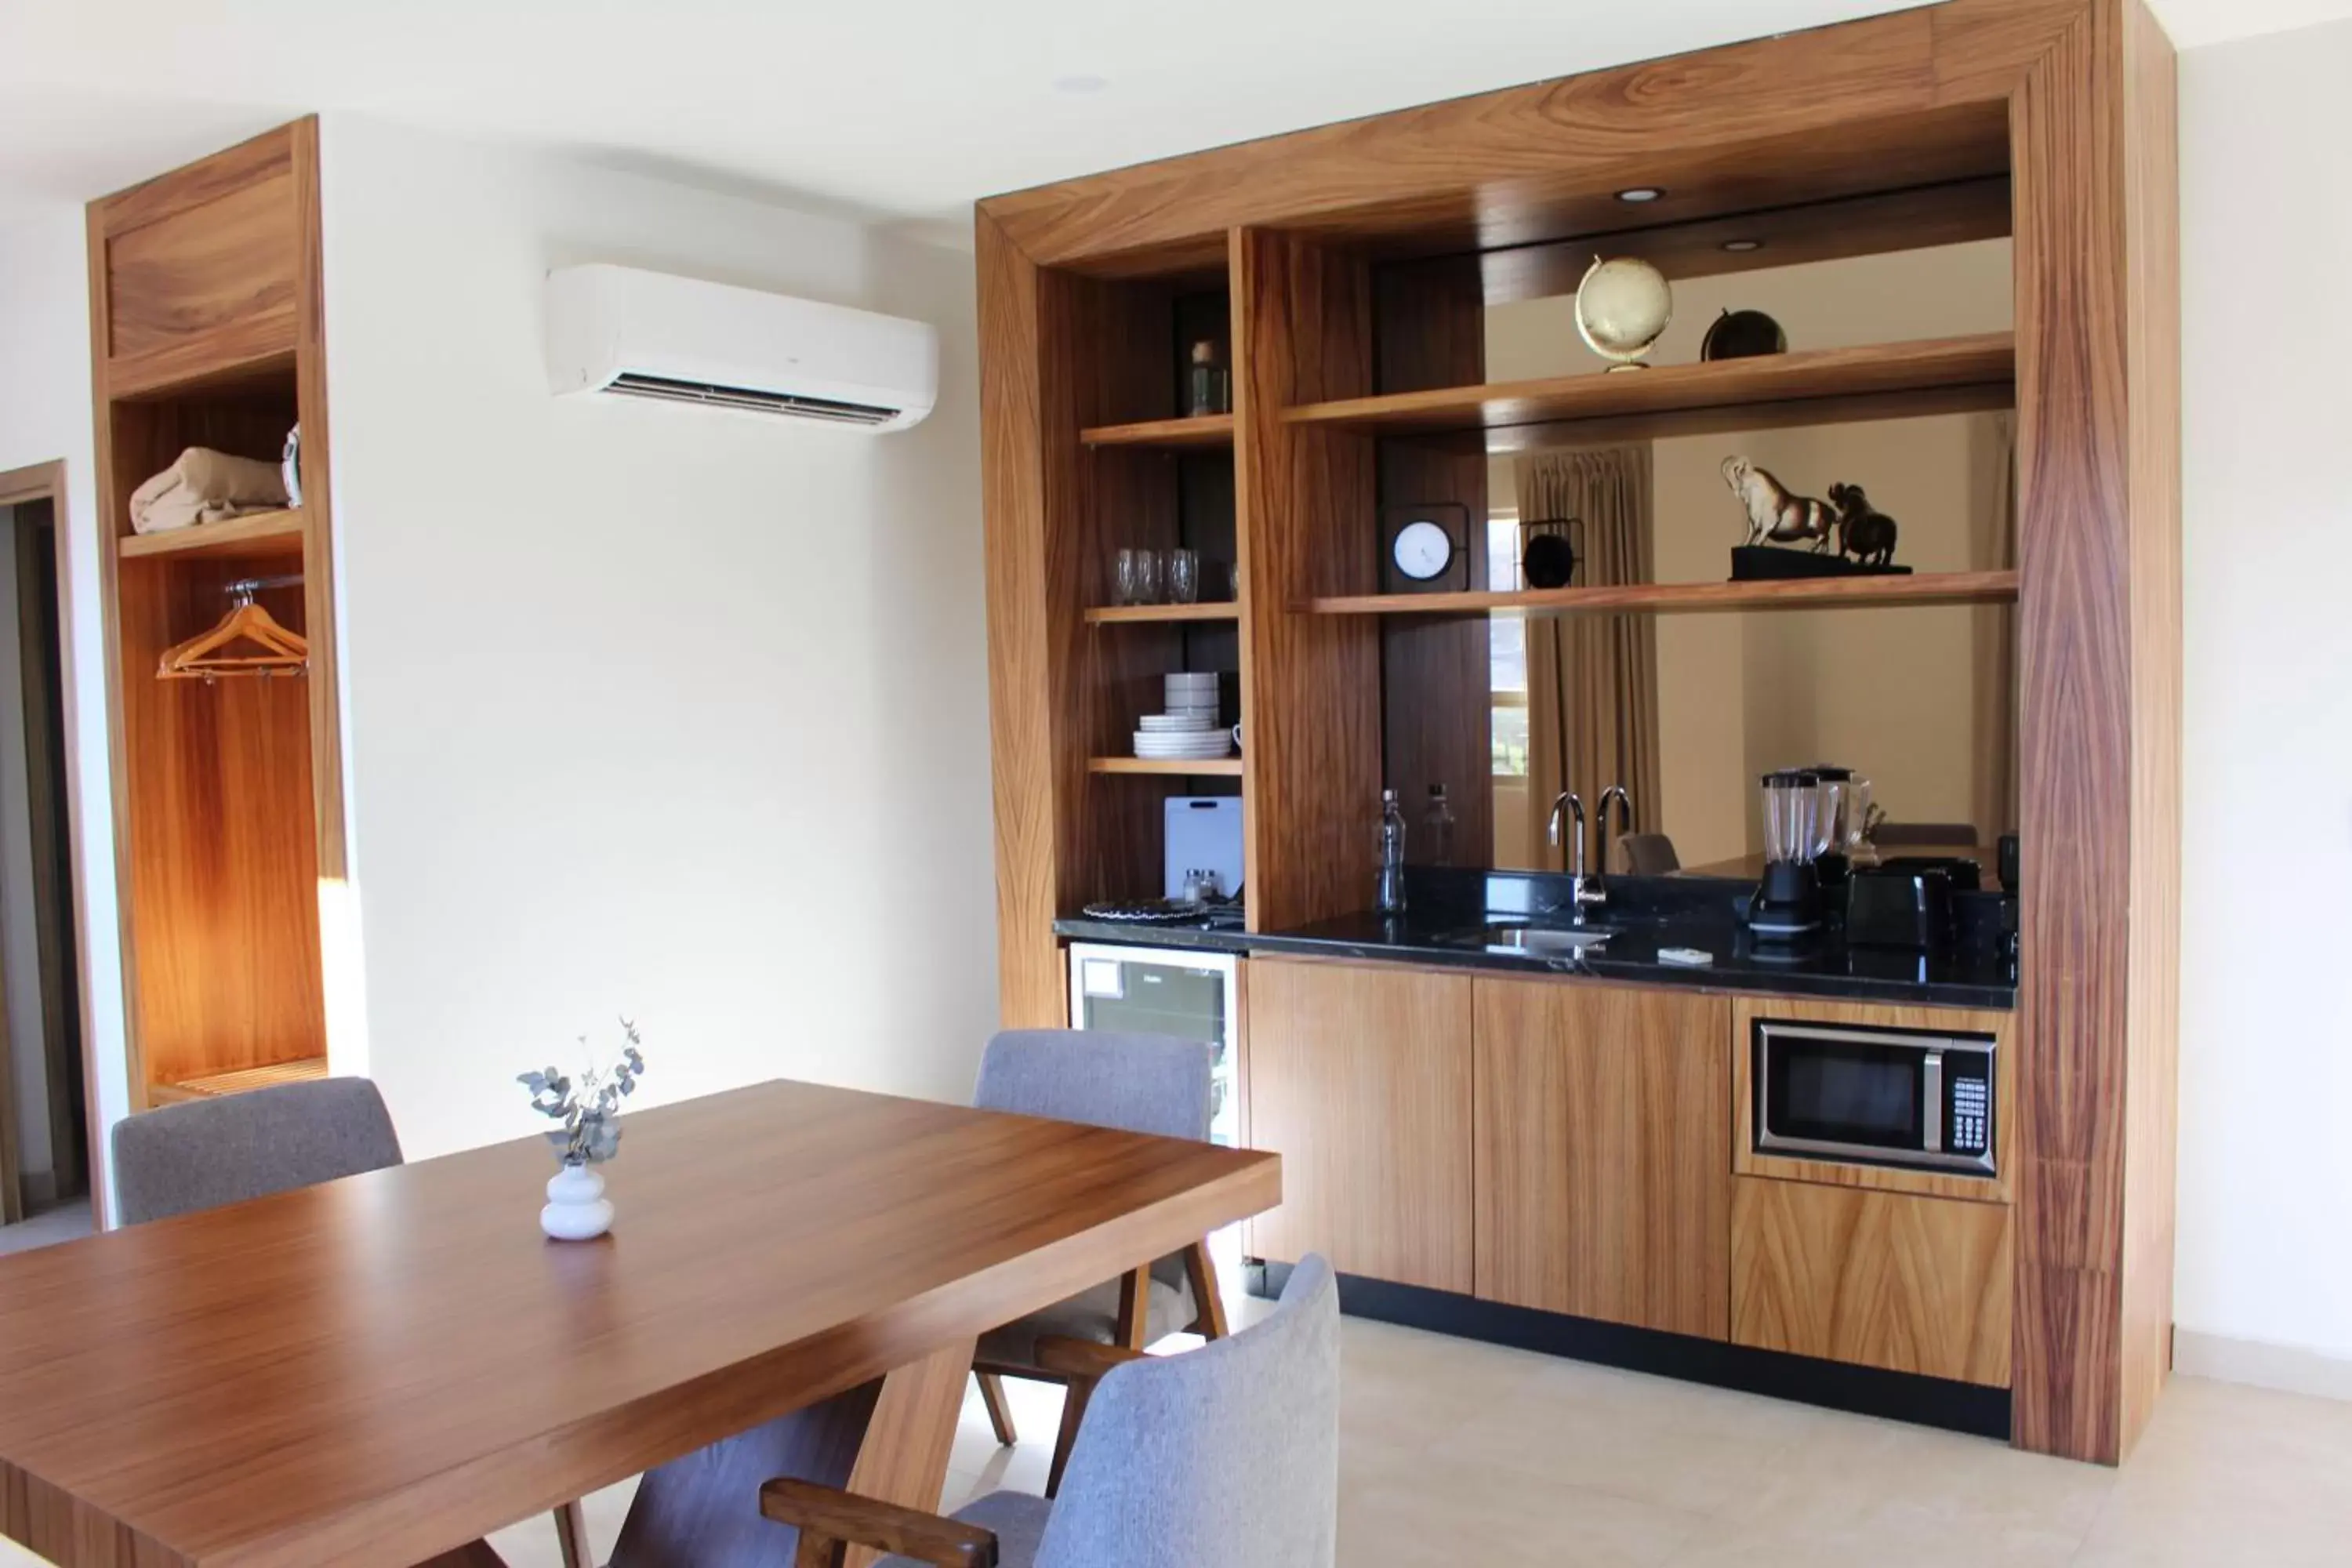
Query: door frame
(46, 481)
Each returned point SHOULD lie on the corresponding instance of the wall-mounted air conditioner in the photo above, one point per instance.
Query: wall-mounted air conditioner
(617, 330)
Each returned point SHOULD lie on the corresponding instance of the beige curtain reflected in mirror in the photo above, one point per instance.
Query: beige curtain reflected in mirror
(1992, 547)
(1593, 681)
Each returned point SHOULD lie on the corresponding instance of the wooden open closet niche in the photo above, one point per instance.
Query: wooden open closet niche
(205, 318)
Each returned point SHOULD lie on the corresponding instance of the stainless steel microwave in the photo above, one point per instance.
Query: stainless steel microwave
(1879, 1097)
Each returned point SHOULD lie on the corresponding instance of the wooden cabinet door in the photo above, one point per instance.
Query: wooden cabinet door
(1603, 1139)
(1360, 1078)
(1884, 1279)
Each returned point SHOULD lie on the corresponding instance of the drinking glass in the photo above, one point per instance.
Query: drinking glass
(1129, 587)
(1151, 577)
(1183, 576)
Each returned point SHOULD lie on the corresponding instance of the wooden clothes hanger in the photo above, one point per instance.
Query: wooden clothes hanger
(200, 659)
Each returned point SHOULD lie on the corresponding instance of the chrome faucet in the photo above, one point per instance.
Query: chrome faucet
(1581, 896)
(1596, 894)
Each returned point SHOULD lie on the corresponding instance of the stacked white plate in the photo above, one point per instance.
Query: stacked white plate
(1181, 737)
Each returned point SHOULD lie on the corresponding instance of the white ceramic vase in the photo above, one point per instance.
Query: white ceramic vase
(577, 1209)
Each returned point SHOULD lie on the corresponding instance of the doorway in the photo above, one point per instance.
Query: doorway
(46, 1139)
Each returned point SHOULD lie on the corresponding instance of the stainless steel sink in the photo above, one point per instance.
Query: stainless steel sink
(1539, 942)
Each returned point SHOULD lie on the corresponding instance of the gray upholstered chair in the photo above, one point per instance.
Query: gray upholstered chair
(202, 1154)
(1228, 1454)
(205, 1153)
(1648, 854)
(1138, 1083)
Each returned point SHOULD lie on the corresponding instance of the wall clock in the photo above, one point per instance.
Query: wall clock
(1426, 548)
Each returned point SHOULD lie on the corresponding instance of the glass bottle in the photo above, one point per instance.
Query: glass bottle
(1390, 899)
(1207, 388)
(1438, 819)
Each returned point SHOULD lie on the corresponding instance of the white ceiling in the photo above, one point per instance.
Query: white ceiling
(904, 112)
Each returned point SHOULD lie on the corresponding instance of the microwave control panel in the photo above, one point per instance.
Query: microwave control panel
(1970, 1102)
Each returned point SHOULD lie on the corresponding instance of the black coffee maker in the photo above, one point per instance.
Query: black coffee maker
(1786, 905)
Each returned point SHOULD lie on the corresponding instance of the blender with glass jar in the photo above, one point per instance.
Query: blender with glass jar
(1787, 904)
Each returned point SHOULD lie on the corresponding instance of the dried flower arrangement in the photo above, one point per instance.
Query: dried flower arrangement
(589, 1109)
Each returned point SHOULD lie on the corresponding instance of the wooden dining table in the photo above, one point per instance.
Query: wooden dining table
(383, 1370)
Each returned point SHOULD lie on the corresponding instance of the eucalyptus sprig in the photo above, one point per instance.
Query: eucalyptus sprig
(589, 1110)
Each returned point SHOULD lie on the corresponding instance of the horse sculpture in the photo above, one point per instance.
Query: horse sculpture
(1774, 515)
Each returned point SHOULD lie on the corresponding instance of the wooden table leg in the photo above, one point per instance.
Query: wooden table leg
(887, 1440)
(904, 1458)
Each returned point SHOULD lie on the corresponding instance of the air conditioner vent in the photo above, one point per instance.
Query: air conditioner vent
(632, 383)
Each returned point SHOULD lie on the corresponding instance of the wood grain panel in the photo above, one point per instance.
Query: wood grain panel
(1032, 791)
(1602, 1114)
(1810, 116)
(1747, 1010)
(2152, 300)
(264, 157)
(230, 262)
(348, 1393)
(1883, 1279)
(223, 862)
(317, 512)
(1302, 331)
(2075, 738)
(1361, 1078)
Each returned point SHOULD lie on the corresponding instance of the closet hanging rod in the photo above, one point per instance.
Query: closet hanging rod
(246, 587)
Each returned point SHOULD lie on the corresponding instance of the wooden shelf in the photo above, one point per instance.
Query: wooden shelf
(306, 1070)
(1792, 593)
(262, 535)
(1884, 381)
(1173, 435)
(1123, 615)
(1212, 767)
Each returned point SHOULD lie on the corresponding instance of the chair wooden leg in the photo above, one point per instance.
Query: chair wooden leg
(1135, 1308)
(1000, 1413)
(572, 1535)
(1208, 1306)
(1074, 1410)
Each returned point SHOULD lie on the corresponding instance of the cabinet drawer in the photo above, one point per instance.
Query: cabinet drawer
(1883, 1279)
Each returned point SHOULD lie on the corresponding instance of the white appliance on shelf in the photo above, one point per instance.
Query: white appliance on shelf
(1165, 991)
(625, 331)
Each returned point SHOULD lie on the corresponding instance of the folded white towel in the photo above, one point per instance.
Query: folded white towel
(205, 486)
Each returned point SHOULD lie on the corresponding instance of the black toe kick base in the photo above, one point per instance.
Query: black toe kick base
(1865, 1391)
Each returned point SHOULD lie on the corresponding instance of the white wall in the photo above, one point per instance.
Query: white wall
(45, 414)
(648, 711)
(2267, 1018)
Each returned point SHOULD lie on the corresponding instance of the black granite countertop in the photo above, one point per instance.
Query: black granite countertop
(1458, 918)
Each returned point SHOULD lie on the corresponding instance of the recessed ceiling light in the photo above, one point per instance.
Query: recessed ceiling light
(1080, 83)
(1641, 194)
(1741, 247)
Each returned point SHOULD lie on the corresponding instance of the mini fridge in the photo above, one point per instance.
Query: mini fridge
(1164, 991)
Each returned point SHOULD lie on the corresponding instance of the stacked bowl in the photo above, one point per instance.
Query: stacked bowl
(1188, 730)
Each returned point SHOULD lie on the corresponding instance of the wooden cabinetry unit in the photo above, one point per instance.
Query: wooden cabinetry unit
(207, 330)
(1602, 1116)
(1883, 1279)
(2051, 120)
(1359, 1079)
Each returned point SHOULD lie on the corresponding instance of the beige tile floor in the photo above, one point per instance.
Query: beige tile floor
(1453, 1453)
